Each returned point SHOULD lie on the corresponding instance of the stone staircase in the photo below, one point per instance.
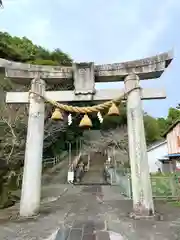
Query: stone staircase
(95, 173)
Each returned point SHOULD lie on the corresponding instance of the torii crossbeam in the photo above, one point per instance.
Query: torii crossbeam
(85, 75)
(100, 95)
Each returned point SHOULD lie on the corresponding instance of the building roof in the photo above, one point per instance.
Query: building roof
(173, 155)
(171, 127)
(156, 144)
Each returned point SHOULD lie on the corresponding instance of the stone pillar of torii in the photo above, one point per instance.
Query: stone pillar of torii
(85, 75)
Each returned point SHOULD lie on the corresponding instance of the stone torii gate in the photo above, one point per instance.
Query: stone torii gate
(85, 75)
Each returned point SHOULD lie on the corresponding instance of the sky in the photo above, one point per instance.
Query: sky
(104, 31)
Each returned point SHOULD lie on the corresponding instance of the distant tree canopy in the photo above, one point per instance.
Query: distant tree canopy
(23, 50)
(164, 123)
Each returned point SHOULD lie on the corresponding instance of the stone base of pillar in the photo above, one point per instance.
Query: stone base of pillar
(140, 209)
(33, 217)
(137, 216)
(146, 214)
(29, 211)
(156, 217)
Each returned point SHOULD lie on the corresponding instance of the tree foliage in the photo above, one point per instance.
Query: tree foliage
(13, 118)
(165, 123)
(152, 130)
(23, 50)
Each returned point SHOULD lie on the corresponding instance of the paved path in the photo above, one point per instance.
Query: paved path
(90, 213)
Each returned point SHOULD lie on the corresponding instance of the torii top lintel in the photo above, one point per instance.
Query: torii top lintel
(147, 68)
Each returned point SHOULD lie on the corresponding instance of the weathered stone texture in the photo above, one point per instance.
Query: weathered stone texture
(146, 68)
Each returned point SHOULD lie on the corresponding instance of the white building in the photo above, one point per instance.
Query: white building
(173, 143)
(157, 157)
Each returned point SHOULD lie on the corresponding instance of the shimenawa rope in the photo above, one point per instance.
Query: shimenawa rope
(87, 109)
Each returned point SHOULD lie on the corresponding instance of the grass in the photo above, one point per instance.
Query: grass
(165, 185)
(161, 186)
(174, 203)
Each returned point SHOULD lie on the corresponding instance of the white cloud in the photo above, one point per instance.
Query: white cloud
(148, 36)
(13, 15)
(102, 31)
(15, 5)
(113, 31)
(27, 18)
(39, 30)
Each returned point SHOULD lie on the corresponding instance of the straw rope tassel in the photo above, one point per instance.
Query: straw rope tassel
(57, 115)
(85, 122)
(88, 109)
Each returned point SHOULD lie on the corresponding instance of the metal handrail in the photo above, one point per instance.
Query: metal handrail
(75, 162)
(54, 160)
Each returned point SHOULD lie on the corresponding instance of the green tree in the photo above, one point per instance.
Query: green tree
(23, 49)
(163, 125)
(111, 122)
(152, 129)
(13, 119)
(173, 115)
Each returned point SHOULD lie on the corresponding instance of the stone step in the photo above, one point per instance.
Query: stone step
(102, 236)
